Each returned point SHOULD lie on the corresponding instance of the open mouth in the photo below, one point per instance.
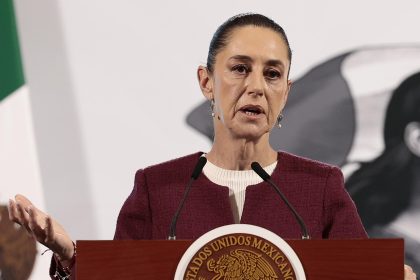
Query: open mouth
(252, 110)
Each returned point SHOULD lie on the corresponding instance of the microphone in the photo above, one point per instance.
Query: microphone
(264, 175)
(196, 172)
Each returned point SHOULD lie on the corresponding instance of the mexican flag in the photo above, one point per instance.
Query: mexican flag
(19, 169)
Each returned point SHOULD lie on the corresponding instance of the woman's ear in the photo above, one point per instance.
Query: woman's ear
(205, 81)
(412, 137)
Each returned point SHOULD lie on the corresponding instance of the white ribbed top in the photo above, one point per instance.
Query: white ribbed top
(236, 181)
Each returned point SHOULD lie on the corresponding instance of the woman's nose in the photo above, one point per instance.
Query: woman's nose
(256, 84)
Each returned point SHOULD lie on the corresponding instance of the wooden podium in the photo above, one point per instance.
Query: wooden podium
(366, 259)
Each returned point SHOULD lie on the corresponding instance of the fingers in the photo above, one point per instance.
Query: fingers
(23, 200)
(23, 212)
(408, 268)
(34, 225)
(41, 228)
(13, 213)
(17, 212)
(408, 273)
(23, 216)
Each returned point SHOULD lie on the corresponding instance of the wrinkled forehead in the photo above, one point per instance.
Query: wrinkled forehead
(260, 43)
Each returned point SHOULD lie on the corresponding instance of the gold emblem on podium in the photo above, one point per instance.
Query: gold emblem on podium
(240, 252)
(241, 263)
(239, 256)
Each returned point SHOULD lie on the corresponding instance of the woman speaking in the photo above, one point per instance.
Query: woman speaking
(246, 83)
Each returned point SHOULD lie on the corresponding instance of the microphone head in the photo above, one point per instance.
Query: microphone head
(199, 167)
(260, 171)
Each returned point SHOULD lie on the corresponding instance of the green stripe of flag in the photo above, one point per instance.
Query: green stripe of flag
(11, 72)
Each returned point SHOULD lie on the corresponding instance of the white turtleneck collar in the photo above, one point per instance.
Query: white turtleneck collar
(236, 181)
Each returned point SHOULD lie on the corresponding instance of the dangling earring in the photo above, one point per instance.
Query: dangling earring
(212, 108)
(279, 119)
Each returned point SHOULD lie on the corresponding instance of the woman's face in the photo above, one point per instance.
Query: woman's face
(249, 82)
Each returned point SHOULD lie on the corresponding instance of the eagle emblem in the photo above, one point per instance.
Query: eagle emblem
(241, 264)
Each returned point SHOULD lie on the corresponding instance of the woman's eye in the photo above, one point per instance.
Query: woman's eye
(241, 69)
(272, 74)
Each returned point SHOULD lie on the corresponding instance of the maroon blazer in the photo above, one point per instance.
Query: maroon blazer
(315, 189)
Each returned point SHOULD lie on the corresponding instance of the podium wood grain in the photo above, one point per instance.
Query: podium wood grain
(368, 259)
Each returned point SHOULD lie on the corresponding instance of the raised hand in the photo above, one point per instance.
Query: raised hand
(42, 227)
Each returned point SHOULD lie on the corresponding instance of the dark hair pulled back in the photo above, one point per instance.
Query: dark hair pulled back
(221, 36)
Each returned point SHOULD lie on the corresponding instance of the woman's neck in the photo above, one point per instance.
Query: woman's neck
(238, 154)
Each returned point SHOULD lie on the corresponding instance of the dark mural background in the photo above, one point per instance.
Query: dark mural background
(361, 111)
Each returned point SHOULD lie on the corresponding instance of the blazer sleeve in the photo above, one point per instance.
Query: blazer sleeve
(135, 219)
(341, 219)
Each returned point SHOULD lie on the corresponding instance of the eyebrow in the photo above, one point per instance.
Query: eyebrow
(271, 62)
